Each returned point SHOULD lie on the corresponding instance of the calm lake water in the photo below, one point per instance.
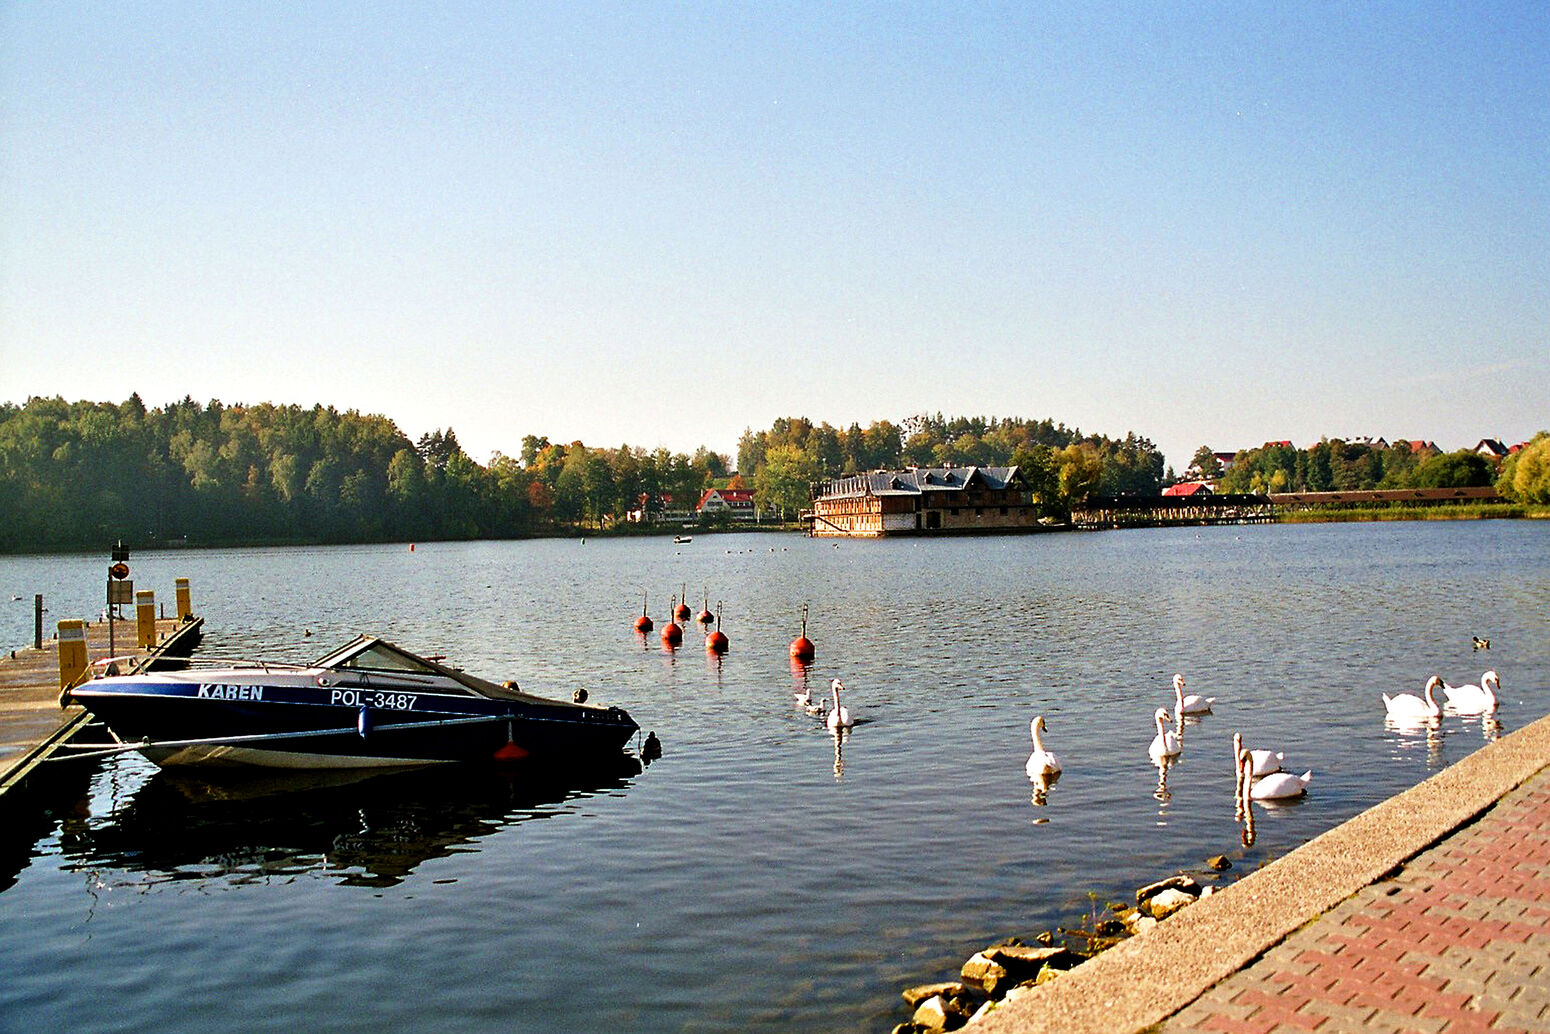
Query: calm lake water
(756, 876)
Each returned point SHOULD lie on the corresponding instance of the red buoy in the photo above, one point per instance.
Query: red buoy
(643, 624)
(716, 642)
(682, 612)
(802, 648)
(672, 635)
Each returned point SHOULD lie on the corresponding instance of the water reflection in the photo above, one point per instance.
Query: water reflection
(1163, 763)
(1409, 733)
(1041, 787)
(359, 828)
(1490, 726)
(840, 736)
(31, 809)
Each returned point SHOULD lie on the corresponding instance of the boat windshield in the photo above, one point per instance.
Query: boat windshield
(382, 657)
(368, 655)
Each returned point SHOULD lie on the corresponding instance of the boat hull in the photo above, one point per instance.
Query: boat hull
(176, 722)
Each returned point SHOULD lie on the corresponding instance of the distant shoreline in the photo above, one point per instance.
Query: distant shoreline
(1329, 515)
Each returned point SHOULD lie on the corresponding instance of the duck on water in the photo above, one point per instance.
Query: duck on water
(368, 704)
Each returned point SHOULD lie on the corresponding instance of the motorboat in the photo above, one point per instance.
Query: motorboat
(368, 704)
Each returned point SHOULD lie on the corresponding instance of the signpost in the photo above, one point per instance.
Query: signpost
(120, 591)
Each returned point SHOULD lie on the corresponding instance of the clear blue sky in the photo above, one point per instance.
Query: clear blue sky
(660, 224)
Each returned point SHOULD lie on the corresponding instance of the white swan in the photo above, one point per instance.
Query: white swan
(1479, 699)
(1265, 761)
(1409, 707)
(1274, 787)
(839, 717)
(1041, 762)
(1191, 704)
(1165, 744)
(816, 708)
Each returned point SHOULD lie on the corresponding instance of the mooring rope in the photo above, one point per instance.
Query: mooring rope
(89, 750)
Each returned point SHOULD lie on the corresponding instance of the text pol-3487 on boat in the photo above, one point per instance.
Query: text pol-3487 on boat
(367, 704)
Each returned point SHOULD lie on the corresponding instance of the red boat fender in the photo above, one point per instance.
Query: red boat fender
(510, 752)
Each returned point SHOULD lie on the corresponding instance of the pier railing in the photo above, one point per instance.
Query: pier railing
(1125, 511)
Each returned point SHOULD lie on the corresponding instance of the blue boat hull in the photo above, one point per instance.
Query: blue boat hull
(176, 722)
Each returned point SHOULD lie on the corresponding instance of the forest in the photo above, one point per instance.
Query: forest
(85, 474)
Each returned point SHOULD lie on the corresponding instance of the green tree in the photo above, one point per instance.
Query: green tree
(1204, 465)
(1525, 474)
(784, 485)
(1078, 472)
(1462, 469)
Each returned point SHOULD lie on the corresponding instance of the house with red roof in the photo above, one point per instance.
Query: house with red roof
(736, 501)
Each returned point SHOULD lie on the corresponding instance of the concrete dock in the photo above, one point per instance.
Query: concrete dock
(1429, 912)
(32, 723)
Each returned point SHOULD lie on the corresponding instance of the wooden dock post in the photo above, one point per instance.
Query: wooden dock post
(72, 652)
(185, 604)
(145, 623)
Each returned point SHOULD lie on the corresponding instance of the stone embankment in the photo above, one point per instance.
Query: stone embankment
(1005, 971)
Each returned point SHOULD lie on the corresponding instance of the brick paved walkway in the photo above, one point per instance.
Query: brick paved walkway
(1458, 940)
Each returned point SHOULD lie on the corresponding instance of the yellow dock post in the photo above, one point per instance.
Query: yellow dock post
(72, 651)
(185, 604)
(145, 615)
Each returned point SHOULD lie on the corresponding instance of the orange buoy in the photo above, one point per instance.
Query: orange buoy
(802, 648)
(705, 616)
(411, 547)
(643, 624)
(681, 612)
(672, 635)
(716, 642)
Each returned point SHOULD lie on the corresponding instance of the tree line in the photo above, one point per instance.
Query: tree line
(1334, 465)
(80, 474)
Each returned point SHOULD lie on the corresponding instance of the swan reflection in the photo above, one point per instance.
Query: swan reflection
(1410, 733)
(840, 736)
(1041, 787)
(1163, 763)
